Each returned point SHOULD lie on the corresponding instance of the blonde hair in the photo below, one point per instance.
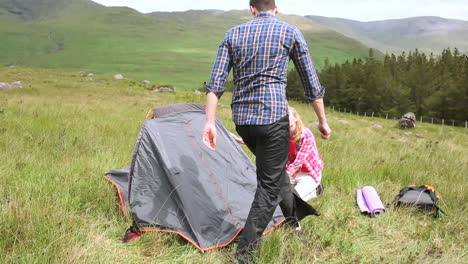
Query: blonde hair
(296, 135)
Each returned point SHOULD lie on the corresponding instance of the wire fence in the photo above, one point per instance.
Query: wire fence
(422, 119)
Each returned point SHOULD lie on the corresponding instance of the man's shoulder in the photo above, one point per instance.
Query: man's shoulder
(293, 28)
(287, 24)
(253, 22)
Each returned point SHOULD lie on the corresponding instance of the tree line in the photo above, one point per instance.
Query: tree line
(428, 85)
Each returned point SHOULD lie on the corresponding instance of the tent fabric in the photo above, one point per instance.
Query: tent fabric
(176, 108)
(119, 178)
(175, 184)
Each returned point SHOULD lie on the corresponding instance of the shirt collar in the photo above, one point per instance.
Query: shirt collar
(264, 15)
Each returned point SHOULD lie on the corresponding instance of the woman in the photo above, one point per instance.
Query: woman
(304, 162)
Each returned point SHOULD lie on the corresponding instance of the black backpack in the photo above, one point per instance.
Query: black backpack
(422, 197)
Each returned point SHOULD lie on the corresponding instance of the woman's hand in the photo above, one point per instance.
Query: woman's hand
(292, 180)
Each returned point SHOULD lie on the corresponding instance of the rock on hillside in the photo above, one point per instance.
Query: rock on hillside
(7, 86)
(164, 89)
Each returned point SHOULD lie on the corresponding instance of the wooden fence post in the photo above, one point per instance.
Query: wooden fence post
(443, 121)
(466, 124)
(432, 120)
(386, 116)
(372, 114)
(453, 122)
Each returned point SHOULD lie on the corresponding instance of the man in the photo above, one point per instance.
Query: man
(258, 52)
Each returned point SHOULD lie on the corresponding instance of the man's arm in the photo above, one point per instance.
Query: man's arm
(209, 132)
(214, 91)
(313, 90)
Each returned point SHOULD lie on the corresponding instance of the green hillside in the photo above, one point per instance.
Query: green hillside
(35, 10)
(428, 34)
(172, 48)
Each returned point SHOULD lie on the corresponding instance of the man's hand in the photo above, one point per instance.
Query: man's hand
(319, 109)
(209, 136)
(325, 130)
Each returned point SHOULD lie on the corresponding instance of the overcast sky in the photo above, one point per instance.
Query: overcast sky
(362, 10)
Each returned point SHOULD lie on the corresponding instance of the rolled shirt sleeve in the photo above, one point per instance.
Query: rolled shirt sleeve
(305, 68)
(222, 66)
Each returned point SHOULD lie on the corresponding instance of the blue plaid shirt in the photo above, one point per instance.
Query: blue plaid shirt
(259, 52)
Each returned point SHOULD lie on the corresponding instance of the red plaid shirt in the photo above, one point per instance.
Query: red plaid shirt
(304, 157)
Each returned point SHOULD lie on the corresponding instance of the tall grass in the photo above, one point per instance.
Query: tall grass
(62, 132)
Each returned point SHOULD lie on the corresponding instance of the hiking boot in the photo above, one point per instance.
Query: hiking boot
(298, 226)
(293, 223)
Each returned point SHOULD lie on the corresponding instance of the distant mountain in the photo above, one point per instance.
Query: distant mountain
(173, 48)
(428, 34)
(30, 10)
(324, 42)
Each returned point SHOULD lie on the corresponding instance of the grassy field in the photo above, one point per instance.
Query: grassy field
(62, 132)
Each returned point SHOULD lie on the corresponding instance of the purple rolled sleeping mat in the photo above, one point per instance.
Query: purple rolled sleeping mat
(369, 201)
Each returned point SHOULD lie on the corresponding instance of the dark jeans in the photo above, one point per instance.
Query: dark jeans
(269, 143)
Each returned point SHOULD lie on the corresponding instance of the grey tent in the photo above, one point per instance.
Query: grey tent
(175, 184)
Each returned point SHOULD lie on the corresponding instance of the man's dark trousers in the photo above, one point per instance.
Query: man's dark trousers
(270, 145)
